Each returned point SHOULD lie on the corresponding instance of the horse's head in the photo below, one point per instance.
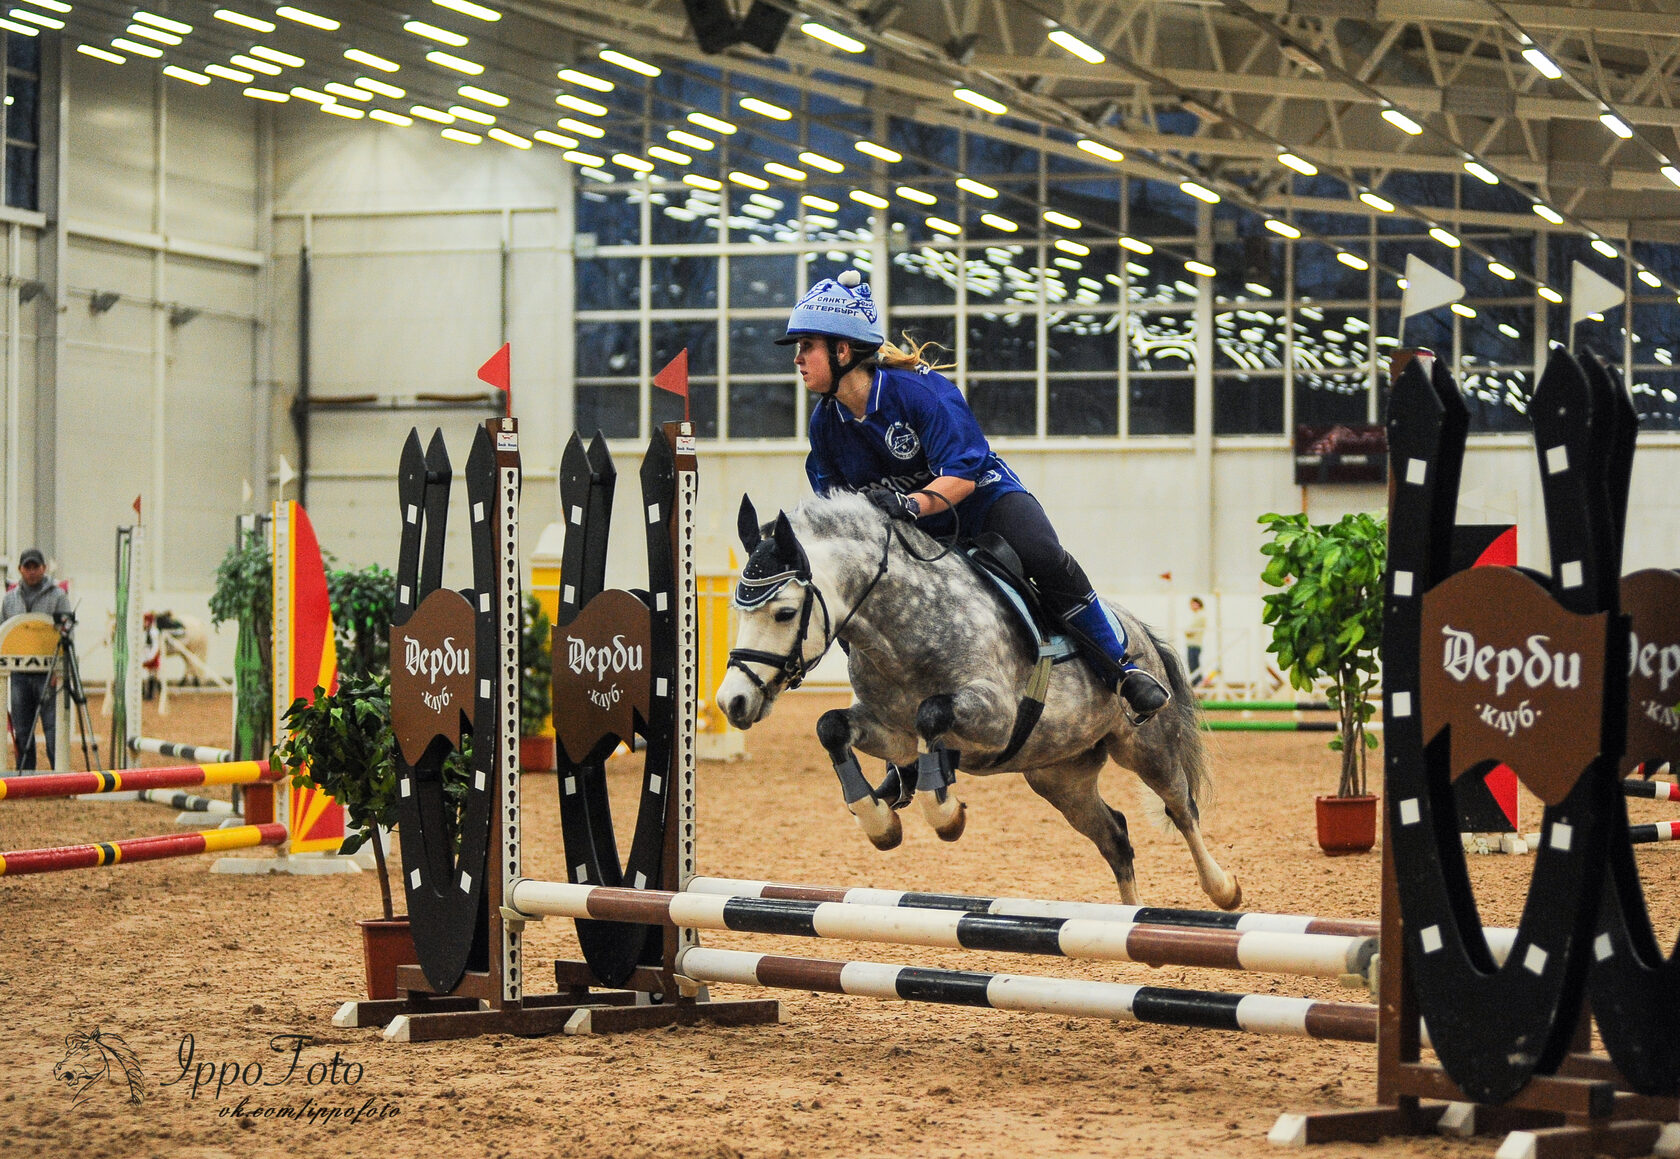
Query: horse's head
(779, 638)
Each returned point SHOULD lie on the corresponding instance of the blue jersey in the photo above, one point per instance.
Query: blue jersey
(917, 426)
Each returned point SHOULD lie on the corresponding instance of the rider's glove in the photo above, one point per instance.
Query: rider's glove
(895, 505)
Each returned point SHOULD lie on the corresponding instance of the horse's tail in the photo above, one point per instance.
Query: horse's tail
(1183, 718)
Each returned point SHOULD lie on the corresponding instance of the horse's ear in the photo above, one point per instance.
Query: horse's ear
(746, 524)
(788, 547)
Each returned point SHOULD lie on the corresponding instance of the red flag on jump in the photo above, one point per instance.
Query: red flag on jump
(496, 372)
(137, 506)
(674, 378)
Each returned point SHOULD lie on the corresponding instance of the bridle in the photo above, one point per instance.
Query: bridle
(791, 667)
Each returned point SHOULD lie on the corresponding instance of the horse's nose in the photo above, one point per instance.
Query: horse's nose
(735, 708)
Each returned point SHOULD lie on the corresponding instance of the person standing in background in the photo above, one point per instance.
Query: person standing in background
(1195, 628)
(32, 699)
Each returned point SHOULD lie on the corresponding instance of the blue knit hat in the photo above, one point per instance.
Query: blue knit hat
(837, 308)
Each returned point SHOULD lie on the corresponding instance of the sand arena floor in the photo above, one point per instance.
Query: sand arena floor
(221, 970)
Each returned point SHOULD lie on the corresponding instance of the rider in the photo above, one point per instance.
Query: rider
(892, 426)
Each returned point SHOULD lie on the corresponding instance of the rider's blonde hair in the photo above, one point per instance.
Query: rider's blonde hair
(911, 355)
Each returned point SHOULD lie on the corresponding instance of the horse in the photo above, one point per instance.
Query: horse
(936, 656)
(88, 1058)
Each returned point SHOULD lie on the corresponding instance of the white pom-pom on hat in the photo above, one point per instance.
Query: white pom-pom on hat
(849, 278)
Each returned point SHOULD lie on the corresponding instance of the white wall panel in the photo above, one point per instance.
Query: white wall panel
(112, 143)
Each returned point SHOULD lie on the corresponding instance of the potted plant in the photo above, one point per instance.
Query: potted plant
(362, 604)
(245, 594)
(1327, 625)
(536, 673)
(342, 744)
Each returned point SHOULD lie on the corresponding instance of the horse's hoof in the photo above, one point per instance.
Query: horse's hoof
(880, 824)
(891, 839)
(953, 828)
(1236, 896)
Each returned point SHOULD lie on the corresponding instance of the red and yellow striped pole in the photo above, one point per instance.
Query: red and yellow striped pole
(174, 777)
(138, 849)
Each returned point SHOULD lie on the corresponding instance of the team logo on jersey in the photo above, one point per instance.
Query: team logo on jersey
(902, 441)
(988, 478)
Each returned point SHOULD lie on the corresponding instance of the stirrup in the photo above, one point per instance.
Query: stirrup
(1142, 695)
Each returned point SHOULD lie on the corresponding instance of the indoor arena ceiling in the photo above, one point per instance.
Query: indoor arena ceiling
(1569, 109)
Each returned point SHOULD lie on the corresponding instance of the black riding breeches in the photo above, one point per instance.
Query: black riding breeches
(1021, 521)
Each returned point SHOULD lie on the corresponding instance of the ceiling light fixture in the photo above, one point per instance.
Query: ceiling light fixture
(1550, 295)
(765, 109)
(1199, 192)
(232, 74)
(131, 46)
(462, 112)
(882, 153)
(863, 197)
(1381, 204)
(342, 90)
(707, 121)
(979, 189)
(1282, 228)
(431, 114)
(573, 76)
(980, 101)
(1402, 122)
(244, 21)
(1068, 42)
(380, 87)
(304, 16)
(179, 73)
(1300, 164)
(556, 139)
(1548, 213)
(1056, 217)
(372, 61)
(685, 138)
(1352, 261)
(1615, 124)
(1444, 237)
(581, 128)
(163, 22)
(622, 60)
(433, 32)
(818, 161)
(780, 170)
(389, 117)
(483, 96)
(1098, 149)
(1481, 172)
(278, 57)
(665, 154)
(1201, 268)
(832, 38)
(750, 180)
(476, 11)
(463, 137)
(450, 60)
(1542, 63)
(578, 104)
(267, 95)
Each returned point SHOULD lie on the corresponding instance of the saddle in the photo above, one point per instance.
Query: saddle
(991, 556)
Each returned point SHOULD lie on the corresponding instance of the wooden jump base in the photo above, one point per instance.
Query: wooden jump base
(116, 781)
(198, 754)
(1302, 954)
(138, 849)
(1118, 1002)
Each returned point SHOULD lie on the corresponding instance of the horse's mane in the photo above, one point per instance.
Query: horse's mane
(848, 515)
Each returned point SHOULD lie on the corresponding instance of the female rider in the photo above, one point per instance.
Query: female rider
(892, 426)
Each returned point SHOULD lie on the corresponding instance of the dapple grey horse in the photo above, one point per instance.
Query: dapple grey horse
(937, 657)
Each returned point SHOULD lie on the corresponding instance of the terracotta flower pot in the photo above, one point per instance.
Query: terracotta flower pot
(536, 754)
(386, 944)
(1346, 824)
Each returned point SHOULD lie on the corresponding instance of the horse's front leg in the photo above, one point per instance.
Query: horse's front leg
(839, 730)
(972, 713)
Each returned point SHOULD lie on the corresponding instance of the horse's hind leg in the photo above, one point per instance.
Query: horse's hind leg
(1072, 787)
(1160, 771)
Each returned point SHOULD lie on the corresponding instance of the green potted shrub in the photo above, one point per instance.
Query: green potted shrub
(362, 605)
(1327, 625)
(244, 594)
(342, 744)
(536, 674)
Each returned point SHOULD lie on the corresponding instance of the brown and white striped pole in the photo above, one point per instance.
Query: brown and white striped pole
(1265, 951)
(1119, 1002)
